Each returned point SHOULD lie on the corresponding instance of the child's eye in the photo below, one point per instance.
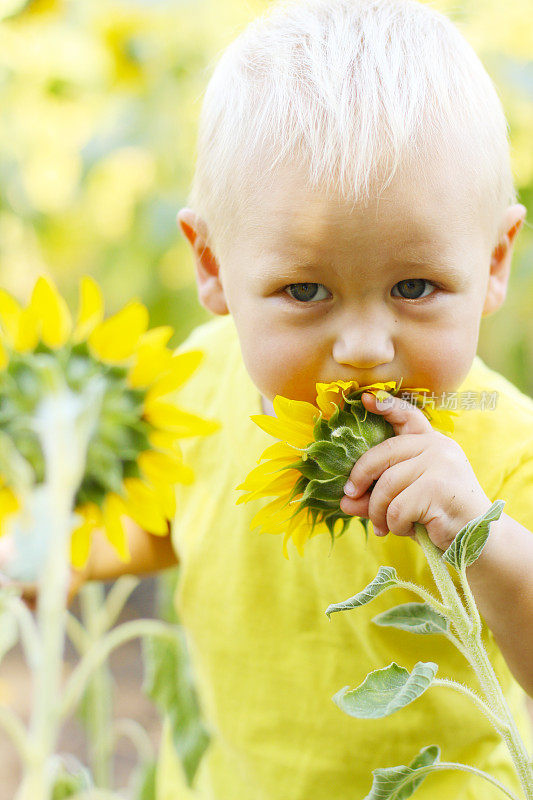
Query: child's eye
(413, 289)
(304, 292)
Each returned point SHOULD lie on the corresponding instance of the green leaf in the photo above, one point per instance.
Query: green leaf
(413, 617)
(386, 690)
(168, 682)
(470, 541)
(385, 579)
(400, 783)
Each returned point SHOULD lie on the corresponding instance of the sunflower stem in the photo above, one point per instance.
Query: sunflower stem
(468, 633)
(64, 425)
(446, 765)
(98, 719)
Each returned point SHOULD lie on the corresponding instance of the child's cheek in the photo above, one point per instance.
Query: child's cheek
(281, 364)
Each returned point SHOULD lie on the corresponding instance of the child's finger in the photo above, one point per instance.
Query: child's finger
(356, 507)
(402, 415)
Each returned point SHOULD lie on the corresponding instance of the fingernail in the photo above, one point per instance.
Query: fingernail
(350, 490)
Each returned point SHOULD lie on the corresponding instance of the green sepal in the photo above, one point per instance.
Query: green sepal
(322, 431)
(308, 468)
(297, 489)
(91, 491)
(103, 466)
(328, 490)
(352, 443)
(365, 523)
(327, 462)
(330, 457)
(122, 432)
(130, 469)
(315, 502)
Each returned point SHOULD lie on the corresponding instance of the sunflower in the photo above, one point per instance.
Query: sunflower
(133, 457)
(306, 471)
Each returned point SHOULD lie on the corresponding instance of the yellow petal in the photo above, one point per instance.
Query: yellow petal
(330, 395)
(29, 331)
(390, 386)
(298, 435)
(280, 450)
(443, 419)
(116, 338)
(149, 363)
(165, 440)
(156, 337)
(142, 506)
(166, 498)
(10, 312)
(164, 468)
(51, 312)
(4, 358)
(9, 504)
(274, 514)
(180, 369)
(281, 484)
(80, 542)
(80, 545)
(296, 412)
(165, 415)
(90, 309)
(262, 474)
(113, 510)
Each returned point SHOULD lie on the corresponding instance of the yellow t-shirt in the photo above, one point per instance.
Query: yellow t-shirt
(267, 660)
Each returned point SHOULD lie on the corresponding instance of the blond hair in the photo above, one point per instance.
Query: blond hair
(349, 90)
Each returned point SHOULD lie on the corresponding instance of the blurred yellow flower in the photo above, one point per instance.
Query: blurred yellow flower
(133, 458)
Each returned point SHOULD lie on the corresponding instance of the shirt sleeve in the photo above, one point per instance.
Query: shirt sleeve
(517, 489)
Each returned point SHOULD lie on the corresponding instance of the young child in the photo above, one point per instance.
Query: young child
(352, 217)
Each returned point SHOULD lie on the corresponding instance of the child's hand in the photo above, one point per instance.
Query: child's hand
(422, 476)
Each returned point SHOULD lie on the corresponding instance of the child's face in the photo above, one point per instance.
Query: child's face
(395, 289)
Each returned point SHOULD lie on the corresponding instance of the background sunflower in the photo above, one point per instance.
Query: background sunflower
(133, 458)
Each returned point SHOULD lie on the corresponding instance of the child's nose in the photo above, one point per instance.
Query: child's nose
(363, 345)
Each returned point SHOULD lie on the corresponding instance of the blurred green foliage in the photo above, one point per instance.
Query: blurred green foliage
(99, 101)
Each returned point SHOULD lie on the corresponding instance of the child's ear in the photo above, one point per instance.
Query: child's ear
(210, 289)
(500, 263)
